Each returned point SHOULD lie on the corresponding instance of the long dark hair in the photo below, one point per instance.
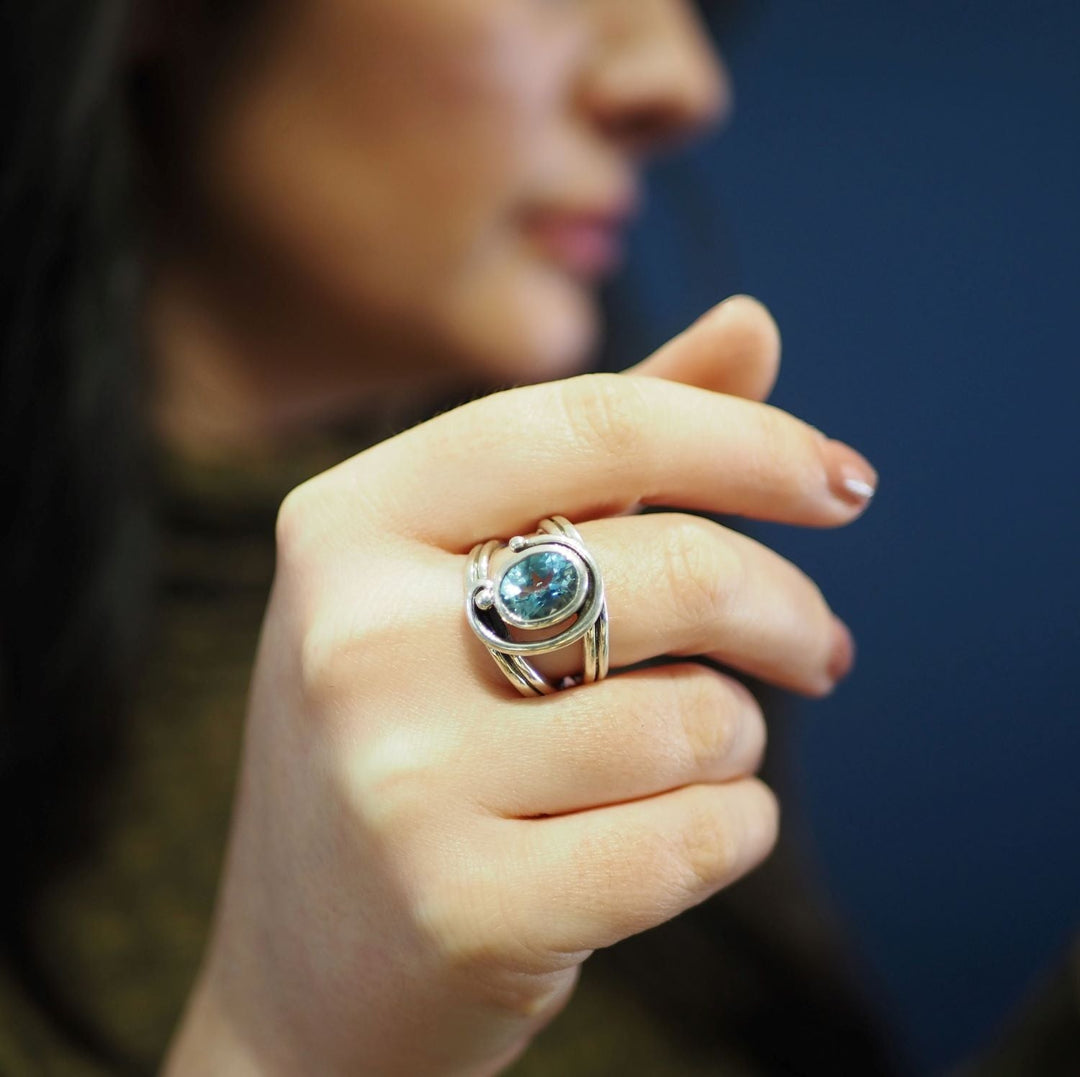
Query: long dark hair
(77, 545)
(74, 540)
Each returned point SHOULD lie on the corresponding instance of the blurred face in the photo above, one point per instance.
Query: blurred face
(448, 178)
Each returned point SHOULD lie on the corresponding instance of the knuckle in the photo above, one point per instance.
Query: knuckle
(775, 442)
(709, 848)
(305, 527)
(292, 517)
(787, 453)
(789, 447)
(321, 657)
(312, 516)
(466, 926)
(822, 619)
(708, 723)
(814, 596)
(394, 788)
(523, 996)
(451, 932)
(333, 658)
(762, 822)
(809, 619)
(701, 574)
(753, 736)
(605, 414)
(770, 807)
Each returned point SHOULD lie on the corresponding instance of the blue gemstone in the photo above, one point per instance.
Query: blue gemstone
(539, 586)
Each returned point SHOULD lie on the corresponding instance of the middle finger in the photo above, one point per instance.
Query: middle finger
(634, 735)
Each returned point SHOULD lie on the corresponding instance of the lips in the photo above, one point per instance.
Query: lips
(585, 242)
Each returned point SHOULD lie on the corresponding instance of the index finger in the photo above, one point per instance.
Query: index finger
(597, 444)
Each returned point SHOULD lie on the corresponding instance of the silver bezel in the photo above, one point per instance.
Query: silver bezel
(483, 588)
(580, 569)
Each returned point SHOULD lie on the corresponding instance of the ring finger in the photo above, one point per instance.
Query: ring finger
(681, 585)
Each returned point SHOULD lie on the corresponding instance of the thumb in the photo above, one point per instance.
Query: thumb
(734, 348)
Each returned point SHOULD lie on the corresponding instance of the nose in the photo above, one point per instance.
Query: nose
(656, 77)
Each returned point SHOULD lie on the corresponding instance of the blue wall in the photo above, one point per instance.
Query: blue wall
(901, 185)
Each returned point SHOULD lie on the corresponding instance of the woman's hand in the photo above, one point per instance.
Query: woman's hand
(421, 858)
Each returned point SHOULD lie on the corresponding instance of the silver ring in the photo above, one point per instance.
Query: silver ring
(534, 583)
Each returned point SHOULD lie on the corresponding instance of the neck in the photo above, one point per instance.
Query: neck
(235, 373)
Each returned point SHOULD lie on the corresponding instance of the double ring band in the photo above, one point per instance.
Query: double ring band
(533, 584)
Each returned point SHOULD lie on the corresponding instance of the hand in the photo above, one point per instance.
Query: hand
(421, 858)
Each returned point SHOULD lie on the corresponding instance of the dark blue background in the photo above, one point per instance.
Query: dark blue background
(900, 185)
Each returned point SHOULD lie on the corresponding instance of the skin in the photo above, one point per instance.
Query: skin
(371, 185)
(421, 859)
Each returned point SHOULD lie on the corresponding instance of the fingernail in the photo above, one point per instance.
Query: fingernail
(842, 656)
(851, 476)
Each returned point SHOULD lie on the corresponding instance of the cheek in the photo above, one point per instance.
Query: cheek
(382, 149)
(517, 319)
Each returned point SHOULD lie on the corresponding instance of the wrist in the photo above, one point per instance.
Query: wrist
(208, 1039)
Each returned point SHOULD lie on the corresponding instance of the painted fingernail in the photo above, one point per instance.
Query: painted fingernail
(842, 656)
(851, 476)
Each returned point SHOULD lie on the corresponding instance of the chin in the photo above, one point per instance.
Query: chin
(537, 325)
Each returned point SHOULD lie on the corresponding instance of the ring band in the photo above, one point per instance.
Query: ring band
(543, 580)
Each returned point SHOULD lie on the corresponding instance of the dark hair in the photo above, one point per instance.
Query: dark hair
(77, 558)
(73, 571)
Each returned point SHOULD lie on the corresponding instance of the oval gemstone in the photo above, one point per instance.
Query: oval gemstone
(539, 586)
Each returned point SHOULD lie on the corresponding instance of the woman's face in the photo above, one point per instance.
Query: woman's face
(451, 175)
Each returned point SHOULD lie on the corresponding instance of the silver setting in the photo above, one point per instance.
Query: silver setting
(587, 615)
